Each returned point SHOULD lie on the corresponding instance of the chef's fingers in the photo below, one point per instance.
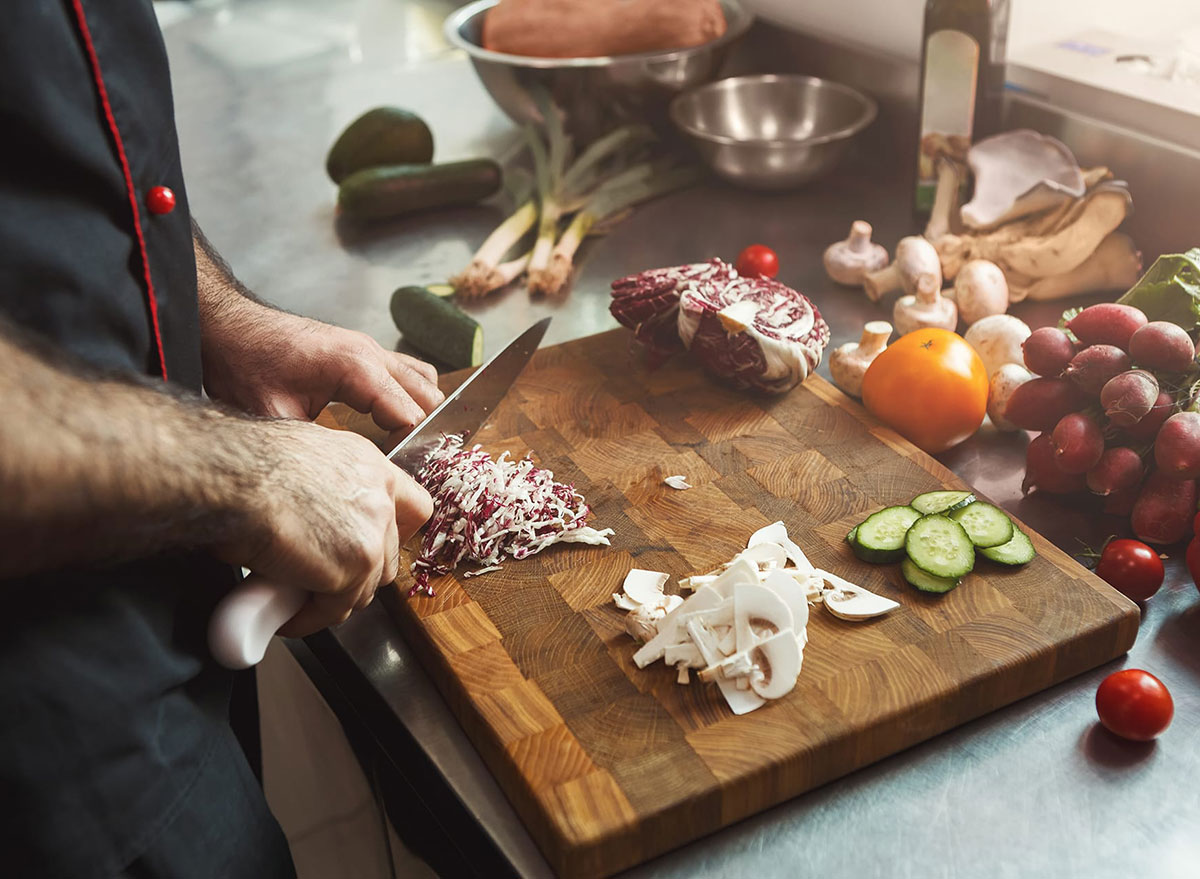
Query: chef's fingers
(417, 377)
(368, 386)
(323, 609)
(414, 506)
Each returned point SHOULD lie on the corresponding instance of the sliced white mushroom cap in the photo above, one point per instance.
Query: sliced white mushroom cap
(686, 653)
(624, 602)
(794, 596)
(850, 601)
(739, 701)
(641, 624)
(679, 483)
(670, 603)
(765, 555)
(669, 628)
(755, 602)
(741, 571)
(781, 668)
(776, 533)
(644, 587)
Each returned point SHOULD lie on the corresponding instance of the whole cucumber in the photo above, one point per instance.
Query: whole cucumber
(383, 136)
(395, 190)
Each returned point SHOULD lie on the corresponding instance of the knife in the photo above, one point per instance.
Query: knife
(246, 619)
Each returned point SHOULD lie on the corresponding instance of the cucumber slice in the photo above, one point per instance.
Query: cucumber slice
(940, 546)
(437, 327)
(985, 525)
(1017, 551)
(880, 537)
(926, 582)
(941, 501)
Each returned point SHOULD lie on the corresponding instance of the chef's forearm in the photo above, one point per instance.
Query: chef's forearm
(99, 469)
(223, 299)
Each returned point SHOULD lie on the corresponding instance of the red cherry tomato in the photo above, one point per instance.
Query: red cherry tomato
(1193, 560)
(1131, 567)
(757, 260)
(1134, 704)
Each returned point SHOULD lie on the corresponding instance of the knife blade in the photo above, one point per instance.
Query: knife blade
(245, 620)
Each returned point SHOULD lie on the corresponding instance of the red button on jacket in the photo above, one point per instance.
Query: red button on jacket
(160, 200)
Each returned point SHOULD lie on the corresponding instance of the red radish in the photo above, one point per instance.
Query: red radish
(1040, 404)
(1120, 503)
(1092, 367)
(1164, 509)
(1177, 446)
(1078, 443)
(1119, 469)
(1163, 345)
(1147, 428)
(1128, 397)
(1107, 324)
(1047, 351)
(1043, 473)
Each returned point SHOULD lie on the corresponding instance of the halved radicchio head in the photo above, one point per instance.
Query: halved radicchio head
(648, 302)
(754, 333)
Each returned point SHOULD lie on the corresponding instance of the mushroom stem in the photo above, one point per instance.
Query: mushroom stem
(875, 336)
(879, 284)
(860, 236)
(945, 199)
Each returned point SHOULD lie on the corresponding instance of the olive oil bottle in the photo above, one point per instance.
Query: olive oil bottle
(962, 83)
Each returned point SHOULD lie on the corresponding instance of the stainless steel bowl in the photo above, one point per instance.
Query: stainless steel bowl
(594, 94)
(772, 131)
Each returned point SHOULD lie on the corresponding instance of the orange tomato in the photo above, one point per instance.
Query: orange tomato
(930, 387)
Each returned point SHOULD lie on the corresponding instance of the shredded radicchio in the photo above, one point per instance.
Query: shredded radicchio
(485, 507)
(754, 333)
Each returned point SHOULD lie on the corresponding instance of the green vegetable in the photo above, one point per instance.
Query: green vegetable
(1017, 551)
(940, 546)
(880, 538)
(1170, 290)
(383, 136)
(393, 190)
(437, 327)
(924, 581)
(941, 501)
(985, 525)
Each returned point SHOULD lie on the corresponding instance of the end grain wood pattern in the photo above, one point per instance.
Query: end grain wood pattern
(609, 765)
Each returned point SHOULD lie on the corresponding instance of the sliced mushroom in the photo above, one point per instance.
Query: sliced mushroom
(850, 601)
(644, 587)
(679, 483)
(779, 663)
(751, 603)
(776, 533)
(641, 623)
(766, 555)
(794, 595)
(669, 626)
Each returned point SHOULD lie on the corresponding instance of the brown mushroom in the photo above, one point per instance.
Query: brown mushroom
(847, 262)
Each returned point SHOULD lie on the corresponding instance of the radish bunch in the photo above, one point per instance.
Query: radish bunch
(1114, 416)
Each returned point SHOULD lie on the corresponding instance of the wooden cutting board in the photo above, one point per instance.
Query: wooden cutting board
(609, 765)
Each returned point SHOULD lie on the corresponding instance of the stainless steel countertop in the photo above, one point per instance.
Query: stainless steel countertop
(1037, 789)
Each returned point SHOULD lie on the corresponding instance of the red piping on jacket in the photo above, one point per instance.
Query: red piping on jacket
(133, 201)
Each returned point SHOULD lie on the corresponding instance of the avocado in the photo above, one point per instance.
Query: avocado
(393, 190)
(383, 136)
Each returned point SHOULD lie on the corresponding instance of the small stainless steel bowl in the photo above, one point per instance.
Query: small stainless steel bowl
(772, 131)
(594, 94)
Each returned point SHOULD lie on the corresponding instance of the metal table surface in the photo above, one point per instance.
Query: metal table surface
(1036, 789)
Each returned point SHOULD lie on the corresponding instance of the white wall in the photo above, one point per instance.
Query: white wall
(894, 26)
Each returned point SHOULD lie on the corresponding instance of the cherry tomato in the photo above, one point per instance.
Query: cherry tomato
(757, 261)
(1134, 704)
(1193, 560)
(1130, 567)
(930, 386)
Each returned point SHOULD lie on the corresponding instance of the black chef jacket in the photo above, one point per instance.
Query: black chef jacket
(115, 749)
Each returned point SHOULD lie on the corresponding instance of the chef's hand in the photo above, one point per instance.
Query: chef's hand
(269, 362)
(327, 514)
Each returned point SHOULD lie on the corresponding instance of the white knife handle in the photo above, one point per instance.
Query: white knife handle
(247, 619)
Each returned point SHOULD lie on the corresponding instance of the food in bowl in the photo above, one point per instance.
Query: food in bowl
(598, 28)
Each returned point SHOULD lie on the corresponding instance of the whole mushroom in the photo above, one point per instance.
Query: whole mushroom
(916, 263)
(925, 308)
(848, 364)
(980, 290)
(848, 262)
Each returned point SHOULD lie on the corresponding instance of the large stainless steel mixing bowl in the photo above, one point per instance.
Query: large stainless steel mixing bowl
(594, 94)
(772, 131)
